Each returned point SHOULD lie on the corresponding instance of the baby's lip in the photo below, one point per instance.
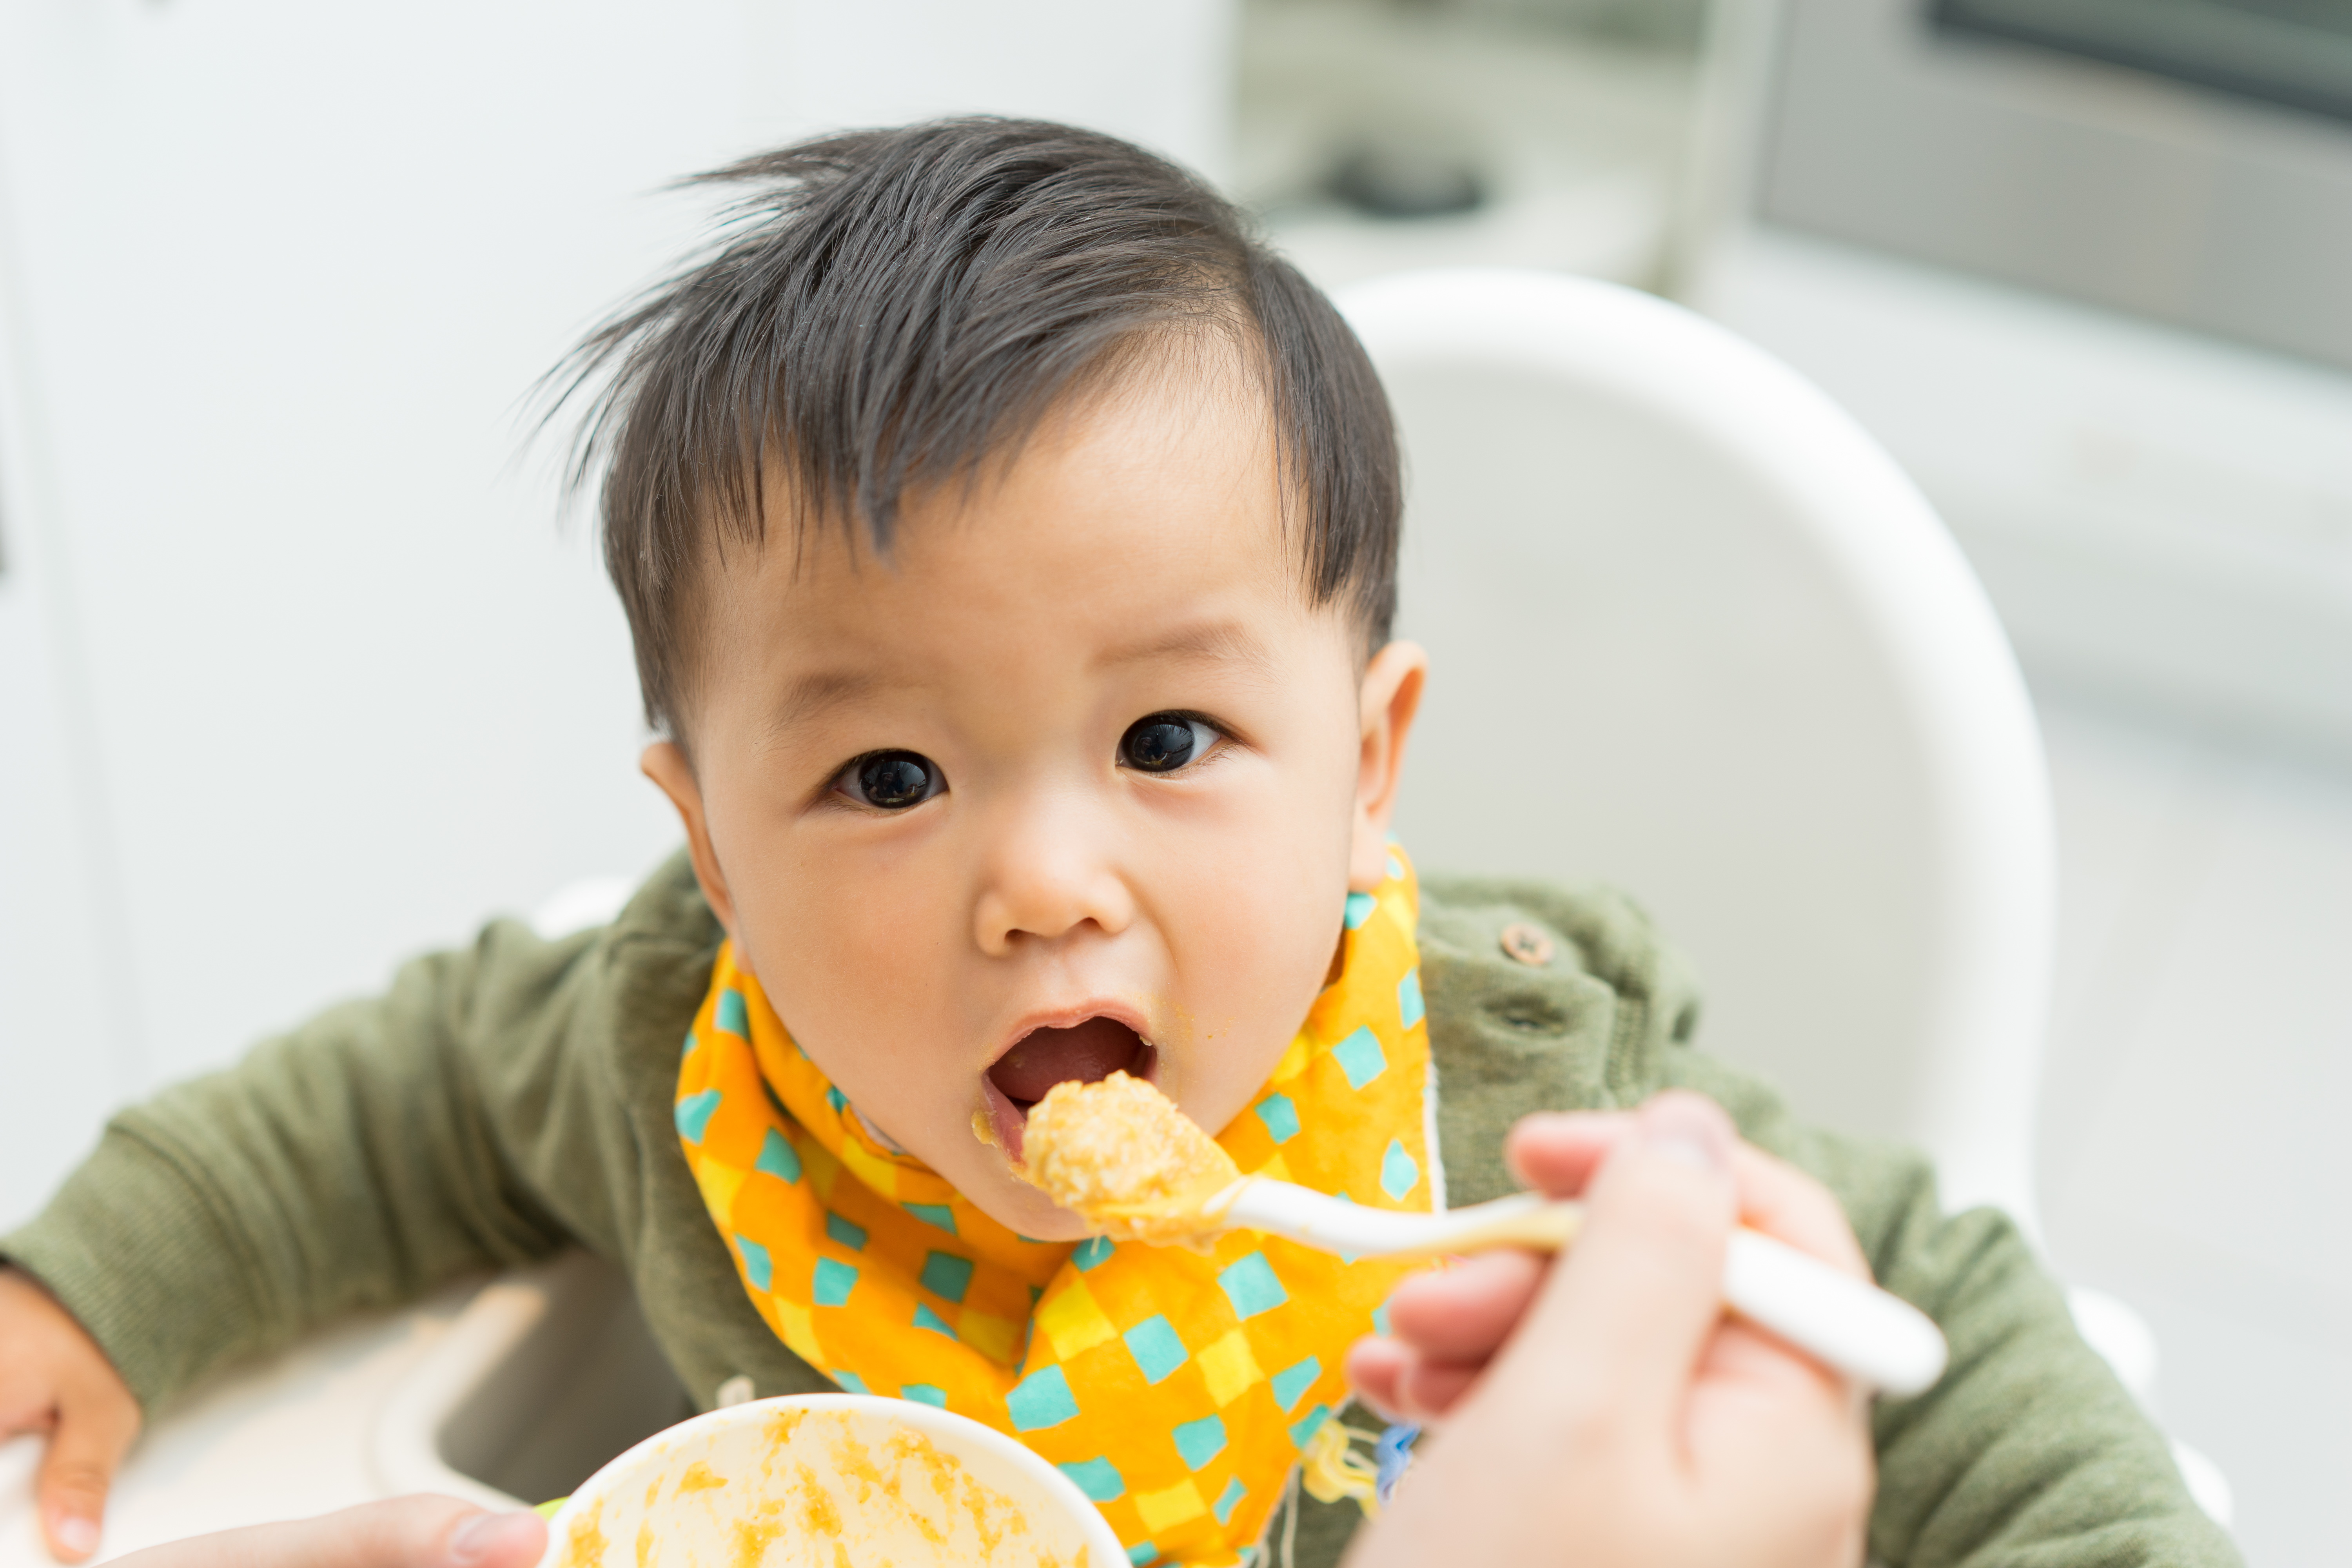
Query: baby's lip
(1080, 1045)
(1006, 1120)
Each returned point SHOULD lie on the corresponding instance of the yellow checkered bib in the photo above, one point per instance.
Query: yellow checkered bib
(1176, 1390)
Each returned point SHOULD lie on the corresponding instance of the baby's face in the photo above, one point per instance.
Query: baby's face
(1076, 782)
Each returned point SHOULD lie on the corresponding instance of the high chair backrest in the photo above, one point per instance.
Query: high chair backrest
(1694, 634)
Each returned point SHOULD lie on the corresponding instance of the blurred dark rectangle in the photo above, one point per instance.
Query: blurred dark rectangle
(2294, 53)
(2066, 174)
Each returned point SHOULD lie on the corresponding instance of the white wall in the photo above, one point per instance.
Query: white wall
(296, 674)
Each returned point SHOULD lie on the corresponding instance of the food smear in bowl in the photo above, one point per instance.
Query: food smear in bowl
(810, 1488)
(1118, 1153)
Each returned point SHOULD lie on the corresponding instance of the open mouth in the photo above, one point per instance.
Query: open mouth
(1085, 1052)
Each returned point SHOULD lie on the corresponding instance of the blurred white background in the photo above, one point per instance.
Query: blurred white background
(298, 675)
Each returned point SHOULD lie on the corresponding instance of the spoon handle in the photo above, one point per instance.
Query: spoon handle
(1516, 1221)
(1850, 1324)
(1875, 1338)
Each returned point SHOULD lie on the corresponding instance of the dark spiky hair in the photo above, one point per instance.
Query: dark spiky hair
(885, 310)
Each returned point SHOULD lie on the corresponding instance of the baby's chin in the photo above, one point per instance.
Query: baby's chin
(1022, 1208)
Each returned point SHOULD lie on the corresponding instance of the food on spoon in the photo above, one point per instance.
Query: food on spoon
(1117, 1152)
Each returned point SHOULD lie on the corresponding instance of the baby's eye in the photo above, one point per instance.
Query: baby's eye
(1165, 742)
(891, 780)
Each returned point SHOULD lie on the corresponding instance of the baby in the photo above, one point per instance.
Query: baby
(1009, 545)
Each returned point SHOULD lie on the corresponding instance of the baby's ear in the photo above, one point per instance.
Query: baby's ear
(667, 765)
(1389, 697)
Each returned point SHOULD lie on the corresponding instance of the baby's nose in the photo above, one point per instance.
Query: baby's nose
(1047, 881)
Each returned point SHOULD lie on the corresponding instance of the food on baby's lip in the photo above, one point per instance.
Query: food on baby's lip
(1119, 1153)
(1030, 1068)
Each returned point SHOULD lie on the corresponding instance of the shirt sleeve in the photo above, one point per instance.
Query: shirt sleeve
(2029, 1452)
(379, 1149)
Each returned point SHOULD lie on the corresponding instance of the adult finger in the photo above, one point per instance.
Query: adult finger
(1783, 1201)
(1743, 1356)
(1428, 1390)
(1779, 1438)
(1374, 1367)
(1556, 1151)
(1465, 1312)
(1401, 1384)
(403, 1533)
(94, 1429)
(1645, 1278)
(1559, 1152)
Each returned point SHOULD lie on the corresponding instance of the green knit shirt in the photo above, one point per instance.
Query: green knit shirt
(500, 1103)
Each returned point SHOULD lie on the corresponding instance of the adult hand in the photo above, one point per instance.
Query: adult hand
(405, 1533)
(55, 1380)
(1602, 1408)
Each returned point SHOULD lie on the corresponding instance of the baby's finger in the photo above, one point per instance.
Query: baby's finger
(1783, 1201)
(1556, 1151)
(1465, 1312)
(94, 1429)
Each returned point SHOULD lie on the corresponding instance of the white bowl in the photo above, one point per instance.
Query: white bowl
(825, 1479)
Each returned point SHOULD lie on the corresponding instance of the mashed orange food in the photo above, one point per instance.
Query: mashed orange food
(812, 1489)
(1119, 1153)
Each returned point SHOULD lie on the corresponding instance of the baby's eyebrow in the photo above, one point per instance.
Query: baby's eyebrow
(1215, 642)
(817, 692)
(1228, 642)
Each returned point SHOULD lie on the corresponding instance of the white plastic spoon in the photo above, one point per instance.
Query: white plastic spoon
(1878, 1340)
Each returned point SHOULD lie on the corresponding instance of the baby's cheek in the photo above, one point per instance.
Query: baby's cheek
(1259, 976)
(866, 1010)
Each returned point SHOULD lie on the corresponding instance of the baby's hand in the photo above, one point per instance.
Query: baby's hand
(55, 1380)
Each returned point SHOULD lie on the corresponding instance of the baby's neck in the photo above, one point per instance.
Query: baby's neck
(876, 1133)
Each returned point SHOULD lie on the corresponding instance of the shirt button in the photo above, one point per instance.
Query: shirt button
(1526, 943)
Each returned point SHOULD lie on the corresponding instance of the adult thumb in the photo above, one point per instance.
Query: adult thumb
(1643, 1284)
(92, 1433)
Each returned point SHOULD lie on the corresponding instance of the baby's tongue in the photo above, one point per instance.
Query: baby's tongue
(1087, 1052)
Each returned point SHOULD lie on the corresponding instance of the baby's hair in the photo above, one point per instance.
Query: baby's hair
(888, 310)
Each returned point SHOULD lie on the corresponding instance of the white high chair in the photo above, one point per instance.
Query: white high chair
(1785, 720)
(1693, 632)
